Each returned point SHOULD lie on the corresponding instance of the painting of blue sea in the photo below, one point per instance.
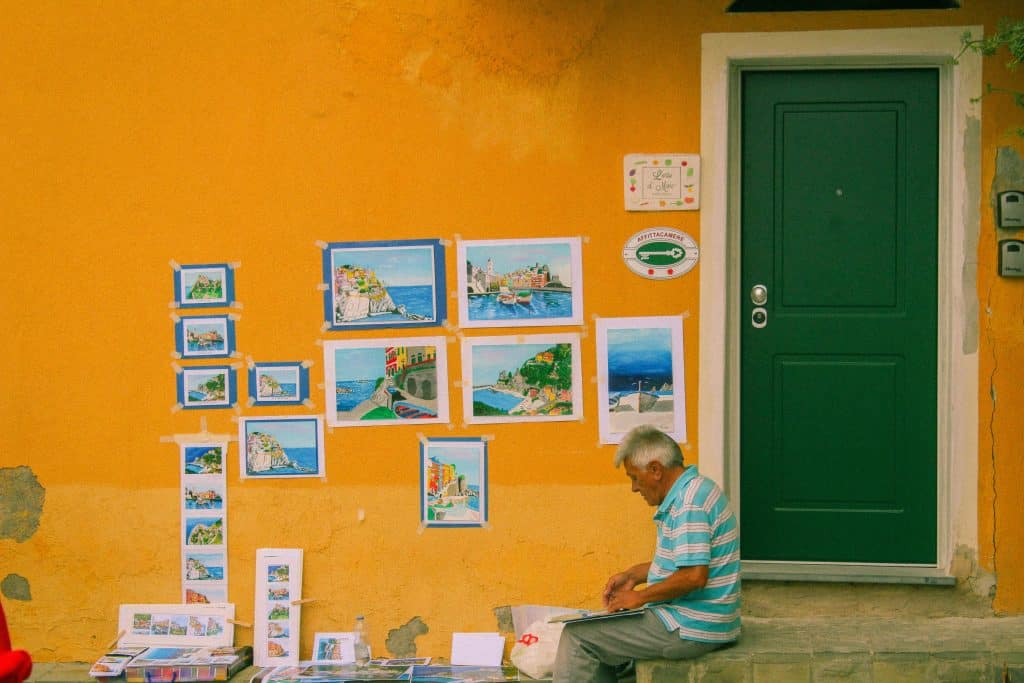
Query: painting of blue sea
(453, 482)
(281, 446)
(278, 383)
(518, 283)
(203, 458)
(205, 336)
(207, 387)
(204, 566)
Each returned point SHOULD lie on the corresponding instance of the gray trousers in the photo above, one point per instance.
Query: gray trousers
(603, 651)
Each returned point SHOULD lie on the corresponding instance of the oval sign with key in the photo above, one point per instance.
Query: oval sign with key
(660, 253)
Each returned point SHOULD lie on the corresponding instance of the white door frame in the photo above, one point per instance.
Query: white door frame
(723, 57)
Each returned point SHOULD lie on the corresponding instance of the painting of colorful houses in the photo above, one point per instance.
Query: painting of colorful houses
(377, 382)
(384, 284)
(204, 336)
(207, 387)
(283, 446)
(276, 384)
(531, 378)
(208, 285)
(640, 376)
(453, 482)
(520, 282)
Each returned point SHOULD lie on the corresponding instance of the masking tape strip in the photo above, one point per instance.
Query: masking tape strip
(307, 363)
(323, 328)
(686, 314)
(487, 437)
(450, 426)
(487, 525)
(420, 529)
(448, 326)
(235, 265)
(322, 287)
(360, 515)
(457, 383)
(176, 407)
(584, 332)
(177, 368)
(445, 243)
(175, 354)
(233, 317)
(175, 265)
(175, 318)
(236, 366)
(452, 339)
(243, 624)
(116, 639)
(585, 239)
(422, 439)
(457, 237)
(172, 304)
(320, 244)
(593, 379)
(249, 362)
(236, 304)
(250, 402)
(309, 403)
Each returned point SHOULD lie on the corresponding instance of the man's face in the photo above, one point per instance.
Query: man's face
(646, 481)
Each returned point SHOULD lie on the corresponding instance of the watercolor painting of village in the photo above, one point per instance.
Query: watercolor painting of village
(204, 336)
(209, 285)
(453, 482)
(276, 384)
(384, 284)
(525, 378)
(375, 382)
(640, 376)
(283, 446)
(211, 386)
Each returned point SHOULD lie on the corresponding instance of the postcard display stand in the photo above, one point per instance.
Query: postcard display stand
(278, 606)
(204, 524)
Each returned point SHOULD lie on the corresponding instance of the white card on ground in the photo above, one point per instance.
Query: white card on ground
(477, 649)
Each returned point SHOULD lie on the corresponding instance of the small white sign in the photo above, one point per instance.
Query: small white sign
(662, 182)
(477, 649)
(660, 253)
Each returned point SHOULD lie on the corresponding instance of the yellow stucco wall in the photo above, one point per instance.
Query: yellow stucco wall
(136, 133)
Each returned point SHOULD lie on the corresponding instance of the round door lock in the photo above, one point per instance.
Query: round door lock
(759, 318)
(759, 295)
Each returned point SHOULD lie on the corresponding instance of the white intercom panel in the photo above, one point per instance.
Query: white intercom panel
(1011, 258)
(1011, 209)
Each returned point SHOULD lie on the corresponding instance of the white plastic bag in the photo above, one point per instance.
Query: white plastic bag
(534, 652)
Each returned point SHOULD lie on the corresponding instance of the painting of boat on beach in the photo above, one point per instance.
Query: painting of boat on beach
(204, 336)
(206, 285)
(276, 384)
(520, 283)
(532, 378)
(453, 482)
(207, 387)
(384, 284)
(640, 376)
(375, 382)
(281, 447)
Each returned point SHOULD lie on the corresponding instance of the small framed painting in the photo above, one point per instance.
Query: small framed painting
(453, 482)
(278, 384)
(285, 446)
(371, 382)
(524, 378)
(384, 284)
(334, 648)
(520, 282)
(204, 336)
(640, 376)
(211, 386)
(207, 285)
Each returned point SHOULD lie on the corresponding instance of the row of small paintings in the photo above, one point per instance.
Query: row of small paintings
(401, 284)
(453, 481)
(523, 378)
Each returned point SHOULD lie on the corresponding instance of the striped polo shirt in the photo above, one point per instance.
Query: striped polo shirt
(696, 526)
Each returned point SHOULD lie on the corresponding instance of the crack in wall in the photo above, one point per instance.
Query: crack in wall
(992, 431)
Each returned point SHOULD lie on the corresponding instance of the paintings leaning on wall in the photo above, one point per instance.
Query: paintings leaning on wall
(453, 482)
(640, 376)
(209, 386)
(174, 625)
(284, 447)
(204, 285)
(520, 282)
(278, 606)
(334, 648)
(210, 336)
(384, 284)
(522, 378)
(204, 522)
(370, 382)
(278, 384)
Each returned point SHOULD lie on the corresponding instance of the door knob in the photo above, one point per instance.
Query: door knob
(759, 295)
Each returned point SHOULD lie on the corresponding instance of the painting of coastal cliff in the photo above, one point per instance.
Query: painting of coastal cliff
(205, 285)
(525, 378)
(640, 376)
(384, 284)
(373, 382)
(453, 482)
(281, 447)
(210, 386)
(520, 283)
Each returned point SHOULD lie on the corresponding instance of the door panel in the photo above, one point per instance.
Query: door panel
(838, 389)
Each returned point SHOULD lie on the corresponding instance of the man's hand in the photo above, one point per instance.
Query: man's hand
(626, 599)
(620, 583)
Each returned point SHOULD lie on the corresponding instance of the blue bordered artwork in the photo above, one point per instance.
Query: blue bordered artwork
(278, 384)
(283, 446)
(207, 285)
(210, 386)
(384, 284)
(453, 482)
(207, 336)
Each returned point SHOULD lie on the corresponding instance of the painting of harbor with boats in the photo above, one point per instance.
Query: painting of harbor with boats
(640, 375)
(384, 284)
(453, 482)
(281, 447)
(376, 382)
(204, 336)
(522, 378)
(518, 283)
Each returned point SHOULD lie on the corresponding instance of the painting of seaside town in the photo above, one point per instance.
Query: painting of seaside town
(201, 566)
(522, 378)
(512, 283)
(205, 336)
(196, 286)
(278, 383)
(384, 284)
(640, 375)
(453, 482)
(374, 382)
(281, 447)
(207, 387)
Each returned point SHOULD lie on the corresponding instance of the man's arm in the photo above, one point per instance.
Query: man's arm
(624, 581)
(682, 581)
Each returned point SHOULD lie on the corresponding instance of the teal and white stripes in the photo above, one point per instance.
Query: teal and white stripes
(697, 527)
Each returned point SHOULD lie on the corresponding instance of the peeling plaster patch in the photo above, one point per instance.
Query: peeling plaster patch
(970, 576)
(15, 587)
(21, 503)
(401, 641)
(1009, 173)
(504, 616)
(972, 222)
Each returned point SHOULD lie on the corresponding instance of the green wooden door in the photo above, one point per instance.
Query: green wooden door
(838, 388)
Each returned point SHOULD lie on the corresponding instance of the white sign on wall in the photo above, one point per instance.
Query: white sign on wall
(661, 182)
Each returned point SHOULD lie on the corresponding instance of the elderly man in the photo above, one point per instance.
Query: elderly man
(691, 588)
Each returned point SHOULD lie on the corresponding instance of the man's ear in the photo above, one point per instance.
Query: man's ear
(656, 469)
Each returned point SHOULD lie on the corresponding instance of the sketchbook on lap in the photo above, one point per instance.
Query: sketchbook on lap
(593, 615)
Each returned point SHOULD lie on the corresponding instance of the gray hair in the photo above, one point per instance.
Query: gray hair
(645, 444)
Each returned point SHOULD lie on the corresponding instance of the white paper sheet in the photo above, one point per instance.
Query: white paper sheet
(477, 649)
